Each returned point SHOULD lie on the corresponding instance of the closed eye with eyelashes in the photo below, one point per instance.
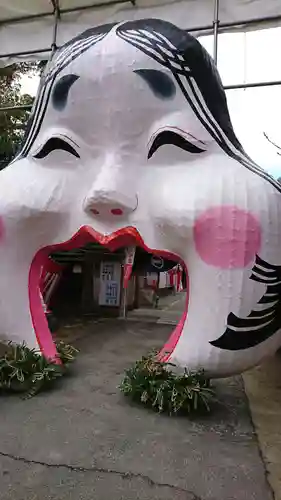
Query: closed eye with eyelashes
(54, 144)
(170, 137)
(163, 138)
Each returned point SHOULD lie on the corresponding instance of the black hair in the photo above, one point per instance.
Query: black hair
(190, 64)
(190, 54)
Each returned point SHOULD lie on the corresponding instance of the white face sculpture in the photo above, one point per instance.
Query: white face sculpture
(130, 143)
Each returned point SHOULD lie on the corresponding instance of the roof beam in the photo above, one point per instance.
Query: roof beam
(33, 17)
(27, 107)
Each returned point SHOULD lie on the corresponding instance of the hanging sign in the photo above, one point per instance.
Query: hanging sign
(147, 262)
(109, 294)
(157, 262)
(128, 266)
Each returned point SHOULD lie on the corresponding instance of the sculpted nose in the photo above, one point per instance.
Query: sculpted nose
(106, 202)
(111, 195)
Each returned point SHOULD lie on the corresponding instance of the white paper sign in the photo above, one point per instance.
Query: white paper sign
(110, 275)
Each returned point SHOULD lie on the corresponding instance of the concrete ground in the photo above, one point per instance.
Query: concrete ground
(168, 312)
(85, 441)
(263, 388)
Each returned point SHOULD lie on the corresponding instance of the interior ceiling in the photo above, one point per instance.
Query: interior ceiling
(34, 31)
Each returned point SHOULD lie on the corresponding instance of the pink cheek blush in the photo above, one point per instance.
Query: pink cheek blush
(227, 237)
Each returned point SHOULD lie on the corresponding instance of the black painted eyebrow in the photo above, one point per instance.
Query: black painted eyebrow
(159, 82)
(61, 91)
(53, 144)
(170, 137)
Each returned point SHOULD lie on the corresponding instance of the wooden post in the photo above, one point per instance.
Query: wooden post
(87, 290)
(136, 303)
(124, 303)
(156, 290)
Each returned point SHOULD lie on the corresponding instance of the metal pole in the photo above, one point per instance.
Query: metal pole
(33, 17)
(28, 107)
(124, 305)
(245, 57)
(9, 109)
(252, 85)
(24, 53)
(55, 4)
(238, 24)
(216, 30)
(208, 27)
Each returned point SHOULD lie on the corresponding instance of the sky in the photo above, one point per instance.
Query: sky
(244, 58)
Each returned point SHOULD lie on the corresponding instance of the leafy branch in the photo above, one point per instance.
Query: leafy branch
(155, 384)
(273, 144)
(25, 370)
(12, 124)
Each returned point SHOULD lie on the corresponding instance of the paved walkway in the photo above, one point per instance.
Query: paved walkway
(84, 441)
(263, 388)
(169, 311)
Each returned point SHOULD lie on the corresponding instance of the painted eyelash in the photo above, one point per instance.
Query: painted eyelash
(53, 144)
(169, 137)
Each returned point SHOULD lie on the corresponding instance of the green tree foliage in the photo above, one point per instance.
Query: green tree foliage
(12, 124)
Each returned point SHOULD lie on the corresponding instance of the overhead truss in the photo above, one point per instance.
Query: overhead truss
(58, 10)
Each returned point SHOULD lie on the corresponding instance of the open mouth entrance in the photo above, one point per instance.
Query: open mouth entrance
(124, 270)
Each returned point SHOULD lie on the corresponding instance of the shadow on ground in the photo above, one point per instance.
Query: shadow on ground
(85, 441)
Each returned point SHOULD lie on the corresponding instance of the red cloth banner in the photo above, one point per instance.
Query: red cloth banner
(128, 266)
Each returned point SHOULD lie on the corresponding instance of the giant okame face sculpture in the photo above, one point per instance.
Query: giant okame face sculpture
(130, 143)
